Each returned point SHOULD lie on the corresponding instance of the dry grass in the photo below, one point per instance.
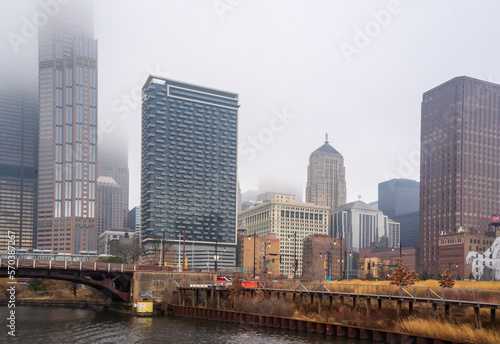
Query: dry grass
(445, 330)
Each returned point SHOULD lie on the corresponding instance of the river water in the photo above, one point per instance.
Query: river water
(66, 325)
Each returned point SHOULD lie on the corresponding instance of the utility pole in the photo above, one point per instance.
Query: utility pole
(254, 254)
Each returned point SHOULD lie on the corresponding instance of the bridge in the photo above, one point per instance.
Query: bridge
(113, 280)
(446, 297)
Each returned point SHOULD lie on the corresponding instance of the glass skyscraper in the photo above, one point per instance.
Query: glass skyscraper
(68, 123)
(188, 185)
(18, 164)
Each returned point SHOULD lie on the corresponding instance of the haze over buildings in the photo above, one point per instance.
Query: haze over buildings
(18, 164)
(67, 214)
(326, 183)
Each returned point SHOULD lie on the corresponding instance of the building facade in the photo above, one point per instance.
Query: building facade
(399, 199)
(260, 257)
(387, 256)
(291, 221)
(108, 197)
(18, 166)
(326, 183)
(134, 220)
(323, 258)
(109, 241)
(113, 163)
(454, 249)
(188, 183)
(361, 226)
(459, 162)
(67, 212)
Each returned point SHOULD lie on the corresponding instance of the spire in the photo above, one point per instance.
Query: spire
(326, 137)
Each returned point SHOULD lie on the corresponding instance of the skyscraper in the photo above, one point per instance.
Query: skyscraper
(134, 219)
(67, 216)
(108, 198)
(113, 163)
(399, 200)
(459, 163)
(188, 184)
(361, 225)
(18, 164)
(326, 177)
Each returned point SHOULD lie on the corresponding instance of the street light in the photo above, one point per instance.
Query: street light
(295, 263)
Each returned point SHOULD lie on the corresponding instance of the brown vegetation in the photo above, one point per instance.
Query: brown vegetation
(402, 275)
(446, 280)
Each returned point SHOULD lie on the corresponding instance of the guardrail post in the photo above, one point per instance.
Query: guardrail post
(17, 263)
(34, 263)
(50, 264)
(493, 320)
(80, 265)
(65, 264)
(109, 267)
(478, 319)
(95, 266)
(121, 270)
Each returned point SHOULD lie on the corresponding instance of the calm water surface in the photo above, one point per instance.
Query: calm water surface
(61, 325)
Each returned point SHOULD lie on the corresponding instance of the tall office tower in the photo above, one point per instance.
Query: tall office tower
(188, 185)
(326, 177)
(18, 164)
(238, 200)
(134, 219)
(67, 214)
(113, 163)
(108, 199)
(459, 162)
(399, 200)
(361, 226)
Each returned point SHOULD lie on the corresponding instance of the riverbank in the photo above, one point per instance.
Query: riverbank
(293, 324)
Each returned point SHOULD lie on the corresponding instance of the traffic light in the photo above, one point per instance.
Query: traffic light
(273, 260)
(324, 264)
(185, 263)
(369, 266)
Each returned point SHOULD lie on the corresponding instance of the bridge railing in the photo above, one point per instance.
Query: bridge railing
(78, 265)
(430, 294)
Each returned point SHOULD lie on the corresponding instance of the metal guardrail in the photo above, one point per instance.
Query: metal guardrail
(77, 265)
(490, 298)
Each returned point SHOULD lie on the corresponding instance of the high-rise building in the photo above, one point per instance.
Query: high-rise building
(326, 177)
(459, 162)
(291, 221)
(113, 163)
(108, 199)
(67, 214)
(18, 165)
(399, 200)
(134, 219)
(361, 225)
(188, 185)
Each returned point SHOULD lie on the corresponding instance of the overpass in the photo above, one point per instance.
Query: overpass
(113, 280)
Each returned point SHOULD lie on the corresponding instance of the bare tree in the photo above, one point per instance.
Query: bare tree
(314, 269)
(72, 287)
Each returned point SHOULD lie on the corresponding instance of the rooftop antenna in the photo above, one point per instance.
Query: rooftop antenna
(359, 197)
(326, 138)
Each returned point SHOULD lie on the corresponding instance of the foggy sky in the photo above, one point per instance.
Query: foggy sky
(354, 69)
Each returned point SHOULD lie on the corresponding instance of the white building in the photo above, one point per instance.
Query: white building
(291, 221)
(361, 225)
